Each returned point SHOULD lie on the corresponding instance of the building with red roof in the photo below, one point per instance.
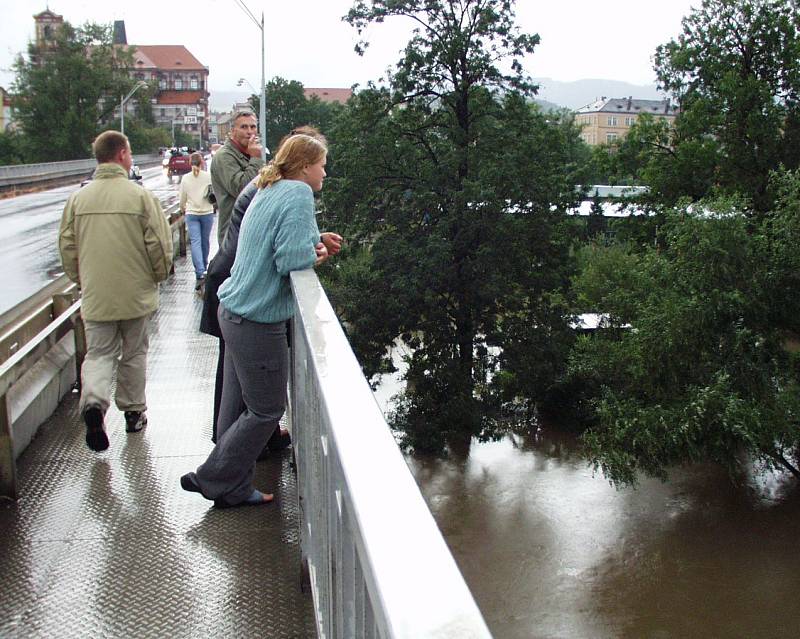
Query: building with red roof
(329, 95)
(182, 98)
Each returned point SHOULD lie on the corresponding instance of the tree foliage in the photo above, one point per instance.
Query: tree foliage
(12, 148)
(447, 184)
(288, 107)
(147, 138)
(735, 70)
(63, 93)
(694, 365)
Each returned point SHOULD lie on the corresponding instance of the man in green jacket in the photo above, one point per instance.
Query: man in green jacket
(116, 244)
(234, 166)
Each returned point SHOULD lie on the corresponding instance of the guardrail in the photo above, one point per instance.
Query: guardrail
(21, 177)
(25, 173)
(30, 330)
(376, 561)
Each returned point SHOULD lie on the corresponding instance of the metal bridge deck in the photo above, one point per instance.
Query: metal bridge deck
(108, 545)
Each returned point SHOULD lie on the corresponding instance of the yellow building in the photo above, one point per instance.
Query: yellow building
(609, 119)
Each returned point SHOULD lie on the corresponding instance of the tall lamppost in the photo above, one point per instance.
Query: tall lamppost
(262, 111)
(140, 84)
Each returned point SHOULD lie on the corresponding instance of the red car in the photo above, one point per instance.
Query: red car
(178, 165)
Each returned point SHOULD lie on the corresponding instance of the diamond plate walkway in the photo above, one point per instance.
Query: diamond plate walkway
(108, 545)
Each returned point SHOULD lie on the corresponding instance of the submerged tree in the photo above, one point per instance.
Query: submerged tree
(698, 362)
(65, 91)
(449, 186)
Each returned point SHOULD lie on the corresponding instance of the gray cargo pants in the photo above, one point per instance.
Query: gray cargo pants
(256, 369)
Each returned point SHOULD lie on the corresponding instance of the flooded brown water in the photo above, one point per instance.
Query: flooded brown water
(551, 550)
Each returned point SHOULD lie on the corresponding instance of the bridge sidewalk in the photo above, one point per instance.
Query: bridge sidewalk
(108, 545)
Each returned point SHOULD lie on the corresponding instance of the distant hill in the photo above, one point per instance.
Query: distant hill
(581, 92)
(546, 106)
(553, 94)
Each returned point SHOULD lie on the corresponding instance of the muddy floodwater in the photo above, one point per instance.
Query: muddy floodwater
(551, 550)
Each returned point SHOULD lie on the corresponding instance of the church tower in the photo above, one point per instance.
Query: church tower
(47, 25)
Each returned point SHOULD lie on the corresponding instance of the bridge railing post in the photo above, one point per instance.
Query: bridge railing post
(8, 467)
(62, 302)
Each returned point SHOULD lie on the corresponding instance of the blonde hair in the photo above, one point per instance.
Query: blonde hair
(294, 154)
(196, 160)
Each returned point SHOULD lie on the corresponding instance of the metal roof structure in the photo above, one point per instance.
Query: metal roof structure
(629, 106)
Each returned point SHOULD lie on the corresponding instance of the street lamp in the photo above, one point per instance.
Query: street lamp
(140, 84)
(261, 100)
(262, 113)
(244, 81)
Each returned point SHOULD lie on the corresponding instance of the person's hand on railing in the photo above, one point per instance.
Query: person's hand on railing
(332, 241)
(322, 253)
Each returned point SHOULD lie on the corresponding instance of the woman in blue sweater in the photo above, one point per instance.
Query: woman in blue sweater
(279, 234)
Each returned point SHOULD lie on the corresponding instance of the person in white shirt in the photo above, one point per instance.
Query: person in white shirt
(199, 216)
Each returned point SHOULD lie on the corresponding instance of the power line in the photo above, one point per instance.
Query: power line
(247, 12)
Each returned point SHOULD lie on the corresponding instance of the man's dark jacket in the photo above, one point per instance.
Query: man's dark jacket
(219, 269)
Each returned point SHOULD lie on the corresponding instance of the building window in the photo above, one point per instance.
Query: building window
(193, 84)
(179, 84)
(162, 84)
(630, 120)
(163, 113)
(612, 120)
(610, 137)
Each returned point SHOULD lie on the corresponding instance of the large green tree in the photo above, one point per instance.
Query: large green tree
(288, 107)
(62, 93)
(735, 71)
(695, 363)
(449, 188)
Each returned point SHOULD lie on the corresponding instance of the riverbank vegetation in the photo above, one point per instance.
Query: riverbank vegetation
(452, 191)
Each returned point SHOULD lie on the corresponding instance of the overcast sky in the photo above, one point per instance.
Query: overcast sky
(307, 41)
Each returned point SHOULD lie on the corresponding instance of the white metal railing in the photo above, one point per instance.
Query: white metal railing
(377, 562)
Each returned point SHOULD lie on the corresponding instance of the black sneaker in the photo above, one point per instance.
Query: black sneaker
(96, 437)
(134, 421)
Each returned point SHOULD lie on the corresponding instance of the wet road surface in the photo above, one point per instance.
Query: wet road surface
(29, 233)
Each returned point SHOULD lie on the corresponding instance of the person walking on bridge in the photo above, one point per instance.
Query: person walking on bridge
(116, 244)
(199, 216)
